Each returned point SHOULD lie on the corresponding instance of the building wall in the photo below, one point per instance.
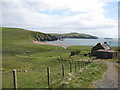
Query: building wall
(104, 55)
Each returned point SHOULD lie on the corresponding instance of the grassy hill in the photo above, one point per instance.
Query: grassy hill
(20, 53)
(17, 40)
(75, 35)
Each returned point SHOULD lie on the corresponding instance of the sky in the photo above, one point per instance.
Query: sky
(95, 17)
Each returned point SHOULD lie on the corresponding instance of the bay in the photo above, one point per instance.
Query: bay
(90, 42)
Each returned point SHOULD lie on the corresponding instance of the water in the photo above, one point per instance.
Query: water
(90, 42)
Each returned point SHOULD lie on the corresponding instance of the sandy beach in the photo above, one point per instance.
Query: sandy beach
(45, 43)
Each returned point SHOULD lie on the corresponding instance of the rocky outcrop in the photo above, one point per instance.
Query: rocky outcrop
(38, 36)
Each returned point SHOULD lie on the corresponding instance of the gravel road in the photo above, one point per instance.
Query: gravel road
(110, 78)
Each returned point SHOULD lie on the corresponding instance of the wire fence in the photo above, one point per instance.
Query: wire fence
(50, 75)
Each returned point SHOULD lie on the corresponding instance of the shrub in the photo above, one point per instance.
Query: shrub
(74, 53)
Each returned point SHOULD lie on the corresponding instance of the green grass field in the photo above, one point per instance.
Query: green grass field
(20, 53)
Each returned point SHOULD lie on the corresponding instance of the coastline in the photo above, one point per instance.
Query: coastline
(45, 43)
(67, 45)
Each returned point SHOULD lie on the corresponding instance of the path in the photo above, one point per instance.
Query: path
(110, 78)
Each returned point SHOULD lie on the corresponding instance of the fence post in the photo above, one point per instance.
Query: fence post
(15, 79)
(88, 60)
(84, 63)
(78, 65)
(70, 67)
(61, 58)
(81, 65)
(63, 73)
(48, 74)
(75, 67)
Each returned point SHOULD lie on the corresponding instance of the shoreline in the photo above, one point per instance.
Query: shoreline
(45, 43)
(61, 45)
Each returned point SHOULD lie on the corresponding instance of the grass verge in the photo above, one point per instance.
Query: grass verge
(84, 78)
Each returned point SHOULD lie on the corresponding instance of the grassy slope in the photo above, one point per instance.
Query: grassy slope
(20, 40)
(16, 42)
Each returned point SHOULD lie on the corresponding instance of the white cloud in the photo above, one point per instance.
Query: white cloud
(90, 18)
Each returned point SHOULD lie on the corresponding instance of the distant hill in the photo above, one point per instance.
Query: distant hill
(75, 35)
(108, 38)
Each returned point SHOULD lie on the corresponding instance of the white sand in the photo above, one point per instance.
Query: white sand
(45, 43)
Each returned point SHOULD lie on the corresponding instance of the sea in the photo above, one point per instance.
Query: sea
(89, 42)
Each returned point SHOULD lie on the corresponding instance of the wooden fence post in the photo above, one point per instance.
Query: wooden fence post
(48, 75)
(70, 67)
(78, 65)
(81, 65)
(61, 58)
(63, 73)
(88, 60)
(75, 67)
(15, 79)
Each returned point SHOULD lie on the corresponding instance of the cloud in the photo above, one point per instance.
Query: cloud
(86, 16)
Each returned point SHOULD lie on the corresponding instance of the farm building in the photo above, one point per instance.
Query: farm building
(103, 51)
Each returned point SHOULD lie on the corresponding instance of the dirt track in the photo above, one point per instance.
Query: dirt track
(110, 78)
